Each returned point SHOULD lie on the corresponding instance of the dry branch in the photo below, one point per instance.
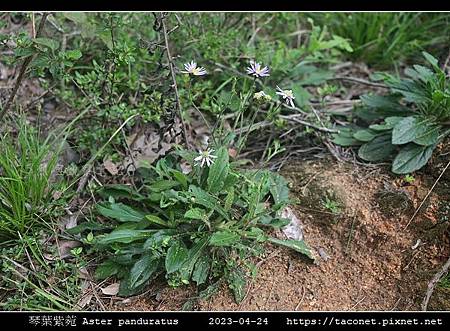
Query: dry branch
(432, 284)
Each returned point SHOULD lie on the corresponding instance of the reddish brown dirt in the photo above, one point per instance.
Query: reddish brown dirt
(371, 264)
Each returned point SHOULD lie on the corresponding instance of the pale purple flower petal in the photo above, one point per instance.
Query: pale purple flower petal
(192, 69)
(257, 70)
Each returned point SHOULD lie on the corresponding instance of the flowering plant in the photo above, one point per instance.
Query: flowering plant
(194, 218)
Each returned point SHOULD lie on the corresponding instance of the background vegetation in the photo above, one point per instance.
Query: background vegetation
(92, 86)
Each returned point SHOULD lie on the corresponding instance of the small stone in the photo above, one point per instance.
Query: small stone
(323, 254)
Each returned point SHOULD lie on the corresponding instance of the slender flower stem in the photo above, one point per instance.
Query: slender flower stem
(247, 97)
(174, 79)
(191, 99)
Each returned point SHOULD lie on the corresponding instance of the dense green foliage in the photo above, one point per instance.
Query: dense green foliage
(409, 122)
(384, 39)
(198, 226)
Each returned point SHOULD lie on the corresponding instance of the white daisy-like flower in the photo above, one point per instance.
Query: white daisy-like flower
(192, 69)
(287, 95)
(262, 96)
(205, 157)
(257, 70)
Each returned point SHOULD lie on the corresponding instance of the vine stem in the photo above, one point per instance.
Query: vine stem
(23, 69)
(175, 86)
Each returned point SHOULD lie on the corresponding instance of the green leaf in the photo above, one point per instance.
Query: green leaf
(377, 150)
(180, 177)
(411, 158)
(124, 236)
(156, 220)
(231, 179)
(431, 59)
(276, 223)
(118, 191)
(385, 105)
(365, 135)
(279, 189)
(47, 42)
(194, 254)
(345, 138)
(316, 77)
(77, 17)
(229, 199)
(107, 269)
(201, 269)
(163, 185)
(224, 238)
(73, 54)
(195, 214)
(428, 136)
(415, 129)
(297, 245)
(207, 200)
(120, 212)
(256, 234)
(159, 239)
(405, 131)
(176, 256)
(218, 172)
(142, 270)
(389, 123)
(87, 226)
(237, 283)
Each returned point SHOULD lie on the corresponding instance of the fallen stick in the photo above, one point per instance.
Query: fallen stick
(432, 284)
(426, 197)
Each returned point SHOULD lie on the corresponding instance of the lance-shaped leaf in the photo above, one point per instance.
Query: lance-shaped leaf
(176, 256)
(411, 158)
(224, 238)
(218, 172)
(297, 245)
(120, 212)
(414, 129)
(377, 150)
(143, 270)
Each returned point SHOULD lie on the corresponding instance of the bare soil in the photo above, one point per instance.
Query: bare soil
(368, 258)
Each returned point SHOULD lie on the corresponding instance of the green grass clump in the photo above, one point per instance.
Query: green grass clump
(384, 39)
(26, 166)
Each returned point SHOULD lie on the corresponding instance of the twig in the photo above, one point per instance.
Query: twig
(426, 197)
(175, 86)
(32, 102)
(320, 128)
(350, 235)
(361, 81)
(301, 300)
(33, 25)
(432, 284)
(447, 60)
(293, 118)
(94, 291)
(84, 180)
(357, 303)
(23, 69)
(396, 303)
(130, 153)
